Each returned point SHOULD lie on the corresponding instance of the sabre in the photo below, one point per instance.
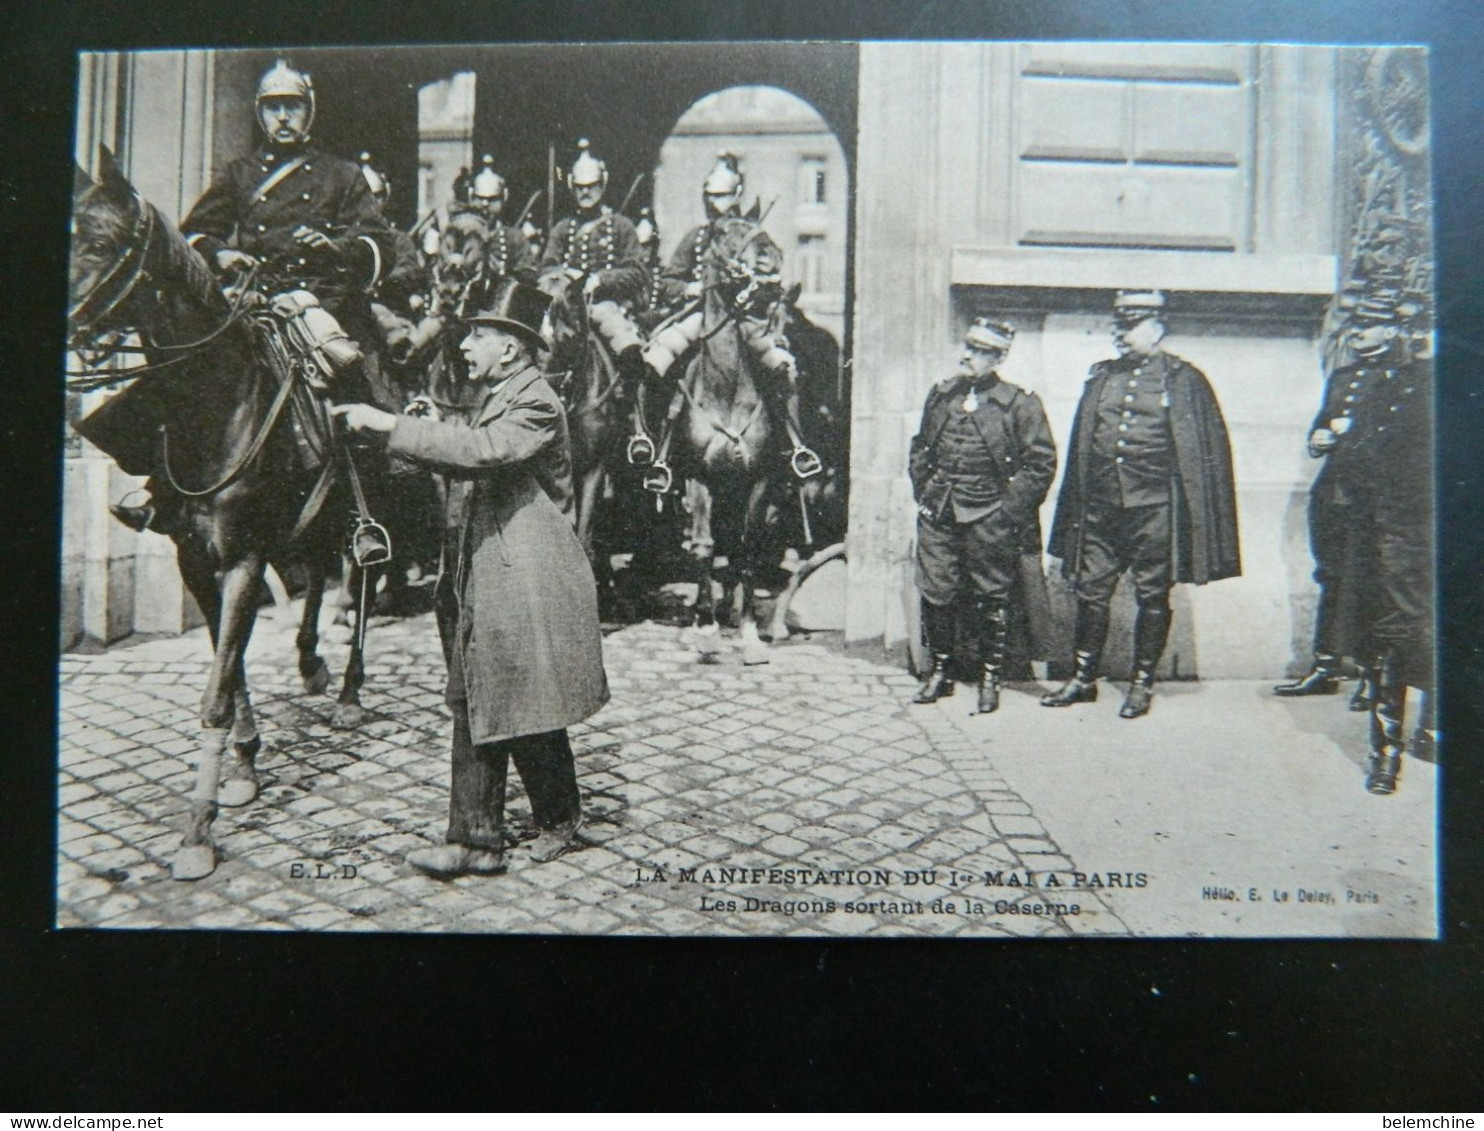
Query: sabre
(526, 211)
(628, 196)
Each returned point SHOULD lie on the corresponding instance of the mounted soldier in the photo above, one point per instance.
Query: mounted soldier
(299, 225)
(598, 249)
(680, 293)
(507, 251)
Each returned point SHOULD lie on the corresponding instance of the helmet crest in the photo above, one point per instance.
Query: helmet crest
(284, 81)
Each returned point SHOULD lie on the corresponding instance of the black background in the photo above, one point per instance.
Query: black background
(210, 1021)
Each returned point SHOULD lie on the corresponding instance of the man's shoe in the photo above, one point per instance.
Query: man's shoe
(1381, 772)
(1075, 690)
(1321, 679)
(1365, 692)
(449, 860)
(137, 519)
(1136, 705)
(556, 841)
(936, 684)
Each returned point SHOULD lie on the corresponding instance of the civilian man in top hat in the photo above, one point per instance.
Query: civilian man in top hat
(981, 465)
(1339, 523)
(307, 221)
(516, 600)
(1148, 490)
(1392, 447)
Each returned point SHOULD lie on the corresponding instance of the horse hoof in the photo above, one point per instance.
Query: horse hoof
(338, 634)
(317, 682)
(193, 862)
(347, 716)
(237, 792)
(754, 654)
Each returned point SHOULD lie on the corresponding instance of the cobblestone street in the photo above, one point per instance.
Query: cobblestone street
(804, 797)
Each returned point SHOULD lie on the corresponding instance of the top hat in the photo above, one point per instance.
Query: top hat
(518, 309)
(987, 334)
(1134, 306)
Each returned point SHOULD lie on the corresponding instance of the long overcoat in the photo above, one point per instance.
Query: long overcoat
(1204, 544)
(527, 650)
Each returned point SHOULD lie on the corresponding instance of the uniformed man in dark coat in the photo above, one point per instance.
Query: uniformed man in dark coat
(981, 465)
(1338, 522)
(305, 220)
(1392, 442)
(599, 249)
(681, 291)
(1148, 490)
(507, 252)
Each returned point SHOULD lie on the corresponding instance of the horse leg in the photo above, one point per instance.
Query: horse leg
(240, 787)
(754, 651)
(339, 631)
(196, 857)
(587, 502)
(707, 633)
(312, 667)
(349, 713)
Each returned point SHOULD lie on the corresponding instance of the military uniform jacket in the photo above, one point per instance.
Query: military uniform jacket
(321, 192)
(606, 245)
(1202, 491)
(685, 265)
(1392, 445)
(1017, 443)
(527, 652)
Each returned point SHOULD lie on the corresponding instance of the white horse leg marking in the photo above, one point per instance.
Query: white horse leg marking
(241, 785)
(196, 856)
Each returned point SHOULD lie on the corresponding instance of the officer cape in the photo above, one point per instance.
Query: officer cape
(1203, 493)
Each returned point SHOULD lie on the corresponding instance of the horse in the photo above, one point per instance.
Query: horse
(215, 372)
(586, 377)
(731, 449)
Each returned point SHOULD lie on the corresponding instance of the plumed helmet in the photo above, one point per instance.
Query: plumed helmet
(487, 184)
(284, 81)
(587, 169)
(725, 178)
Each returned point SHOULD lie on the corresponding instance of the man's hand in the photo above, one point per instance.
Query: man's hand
(364, 418)
(229, 259)
(693, 289)
(1321, 440)
(590, 287)
(311, 237)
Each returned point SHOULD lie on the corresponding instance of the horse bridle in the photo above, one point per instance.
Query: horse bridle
(130, 264)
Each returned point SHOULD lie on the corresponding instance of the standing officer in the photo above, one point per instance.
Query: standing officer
(1148, 489)
(981, 465)
(1338, 522)
(600, 248)
(308, 221)
(1393, 449)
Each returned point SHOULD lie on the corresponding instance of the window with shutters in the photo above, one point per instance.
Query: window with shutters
(1134, 146)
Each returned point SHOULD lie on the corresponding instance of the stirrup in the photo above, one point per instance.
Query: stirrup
(804, 462)
(370, 545)
(659, 479)
(640, 451)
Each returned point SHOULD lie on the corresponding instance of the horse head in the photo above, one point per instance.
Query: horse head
(108, 247)
(459, 262)
(742, 263)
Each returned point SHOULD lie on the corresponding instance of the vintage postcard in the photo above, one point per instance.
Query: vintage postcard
(953, 489)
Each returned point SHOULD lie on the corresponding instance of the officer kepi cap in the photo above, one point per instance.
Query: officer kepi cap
(516, 308)
(987, 334)
(1131, 307)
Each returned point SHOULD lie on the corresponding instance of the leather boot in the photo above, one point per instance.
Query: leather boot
(1424, 741)
(1322, 679)
(1091, 632)
(1387, 746)
(1365, 692)
(937, 633)
(994, 626)
(937, 684)
(1151, 630)
(160, 512)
